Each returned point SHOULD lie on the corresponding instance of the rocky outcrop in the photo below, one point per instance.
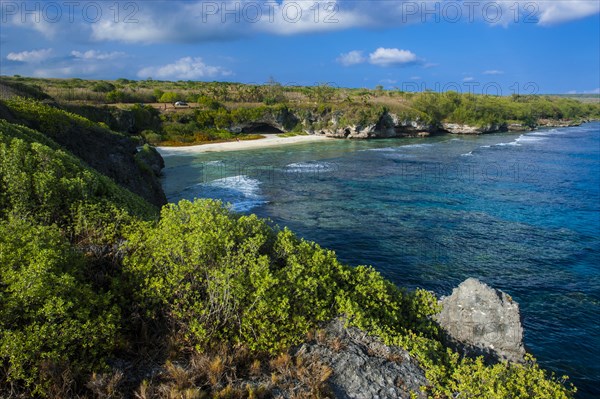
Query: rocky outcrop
(558, 122)
(370, 124)
(388, 125)
(458, 128)
(273, 121)
(413, 128)
(363, 367)
(519, 127)
(480, 320)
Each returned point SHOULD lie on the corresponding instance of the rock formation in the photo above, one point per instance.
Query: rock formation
(458, 128)
(480, 320)
(364, 368)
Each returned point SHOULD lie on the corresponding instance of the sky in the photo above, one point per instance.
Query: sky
(489, 47)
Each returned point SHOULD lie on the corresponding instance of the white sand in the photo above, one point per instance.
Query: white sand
(269, 141)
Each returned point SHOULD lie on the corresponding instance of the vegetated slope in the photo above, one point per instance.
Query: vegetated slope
(112, 154)
(225, 111)
(10, 89)
(98, 298)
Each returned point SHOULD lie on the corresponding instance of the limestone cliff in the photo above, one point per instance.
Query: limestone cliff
(349, 124)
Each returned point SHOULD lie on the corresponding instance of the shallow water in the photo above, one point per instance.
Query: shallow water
(518, 211)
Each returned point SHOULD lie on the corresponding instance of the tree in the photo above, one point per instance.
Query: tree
(116, 96)
(103, 87)
(168, 97)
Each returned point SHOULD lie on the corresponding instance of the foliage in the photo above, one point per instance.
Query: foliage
(208, 102)
(168, 97)
(474, 379)
(145, 118)
(116, 96)
(42, 182)
(103, 87)
(202, 281)
(49, 317)
(216, 275)
(50, 120)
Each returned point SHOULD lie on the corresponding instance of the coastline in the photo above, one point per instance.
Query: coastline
(239, 145)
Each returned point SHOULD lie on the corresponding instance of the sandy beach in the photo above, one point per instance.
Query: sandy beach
(239, 145)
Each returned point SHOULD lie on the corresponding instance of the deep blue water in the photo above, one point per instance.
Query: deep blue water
(518, 211)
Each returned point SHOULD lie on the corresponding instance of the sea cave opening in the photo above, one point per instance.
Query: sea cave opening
(261, 128)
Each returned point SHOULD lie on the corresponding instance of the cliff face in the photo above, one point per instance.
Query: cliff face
(345, 125)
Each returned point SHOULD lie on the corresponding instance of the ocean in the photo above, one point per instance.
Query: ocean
(519, 211)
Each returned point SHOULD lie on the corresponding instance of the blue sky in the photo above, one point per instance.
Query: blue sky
(479, 46)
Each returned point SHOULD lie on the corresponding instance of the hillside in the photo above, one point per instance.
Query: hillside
(220, 111)
(101, 296)
(111, 153)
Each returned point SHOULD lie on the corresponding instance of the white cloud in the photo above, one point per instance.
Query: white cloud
(351, 58)
(97, 55)
(186, 68)
(560, 11)
(391, 56)
(33, 56)
(493, 72)
(468, 79)
(388, 81)
(415, 78)
(202, 21)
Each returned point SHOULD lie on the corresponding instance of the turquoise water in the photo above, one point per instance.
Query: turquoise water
(518, 211)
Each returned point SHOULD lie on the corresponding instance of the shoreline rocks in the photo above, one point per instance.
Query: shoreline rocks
(456, 128)
(482, 321)
(387, 125)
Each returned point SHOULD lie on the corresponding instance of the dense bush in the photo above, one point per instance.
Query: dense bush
(169, 97)
(103, 87)
(50, 319)
(145, 118)
(41, 182)
(216, 275)
(49, 120)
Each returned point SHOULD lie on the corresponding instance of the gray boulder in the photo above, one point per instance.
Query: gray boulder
(480, 320)
(363, 367)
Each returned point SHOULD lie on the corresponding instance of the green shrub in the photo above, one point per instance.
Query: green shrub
(41, 182)
(152, 137)
(168, 97)
(49, 120)
(103, 87)
(145, 118)
(218, 275)
(49, 318)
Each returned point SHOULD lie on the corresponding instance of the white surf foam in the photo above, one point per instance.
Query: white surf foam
(309, 167)
(242, 192)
